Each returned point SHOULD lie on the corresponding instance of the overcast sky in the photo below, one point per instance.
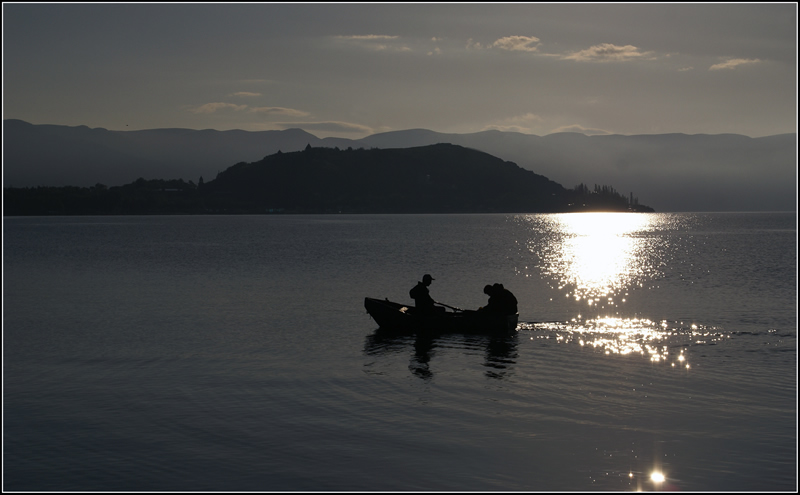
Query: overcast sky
(351, 70)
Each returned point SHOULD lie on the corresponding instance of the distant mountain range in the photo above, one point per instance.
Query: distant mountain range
(670, 172)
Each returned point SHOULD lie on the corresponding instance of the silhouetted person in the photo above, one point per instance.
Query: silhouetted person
(507, 300)
(501, 300)
(421, 296)
(493, 306)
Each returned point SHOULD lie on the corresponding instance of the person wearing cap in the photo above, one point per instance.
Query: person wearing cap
(421, 296)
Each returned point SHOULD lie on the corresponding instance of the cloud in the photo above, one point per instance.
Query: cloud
(604, 52)
(473, 45)
(289, 112)
(509, 128)
(377, 42)
(509, 43)
(367, 37)
(214, 107)
(244, 94)
(256, 81)
(527, 123)
(392, 48)
(733, 63)
(326, 126)
(533, 124)
(580, 129)
(607, 52)
(526, 117)
(517, 43)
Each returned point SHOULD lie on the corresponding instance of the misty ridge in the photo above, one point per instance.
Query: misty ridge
(669, 172)
(440, 178)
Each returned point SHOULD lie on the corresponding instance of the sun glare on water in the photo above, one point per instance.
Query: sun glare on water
(659, 342)
(597, 256)
(657, 477)
(597, 259)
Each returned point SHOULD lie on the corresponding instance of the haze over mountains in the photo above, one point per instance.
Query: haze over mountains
(670, 172)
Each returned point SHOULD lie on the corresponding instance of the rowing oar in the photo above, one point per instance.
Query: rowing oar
(446, 306)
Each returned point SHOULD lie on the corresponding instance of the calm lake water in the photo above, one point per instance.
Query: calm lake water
(210, 353)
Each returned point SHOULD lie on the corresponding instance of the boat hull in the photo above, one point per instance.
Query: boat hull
(399, 317)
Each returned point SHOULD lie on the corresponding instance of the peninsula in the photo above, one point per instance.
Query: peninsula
(439, 178)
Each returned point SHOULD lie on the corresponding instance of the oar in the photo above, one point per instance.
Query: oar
(446, 306)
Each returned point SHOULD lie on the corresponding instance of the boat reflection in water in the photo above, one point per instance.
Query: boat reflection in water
(499, 351)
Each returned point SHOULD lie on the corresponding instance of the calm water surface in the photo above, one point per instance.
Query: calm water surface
(654, 351)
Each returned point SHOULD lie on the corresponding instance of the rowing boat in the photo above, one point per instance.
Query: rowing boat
(400, 317)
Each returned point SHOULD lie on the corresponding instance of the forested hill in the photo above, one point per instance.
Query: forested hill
(441, 178)
(437, 178)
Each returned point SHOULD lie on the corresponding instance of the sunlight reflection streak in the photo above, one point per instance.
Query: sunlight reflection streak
(597, 260)
(659, 342)
(596, 257)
